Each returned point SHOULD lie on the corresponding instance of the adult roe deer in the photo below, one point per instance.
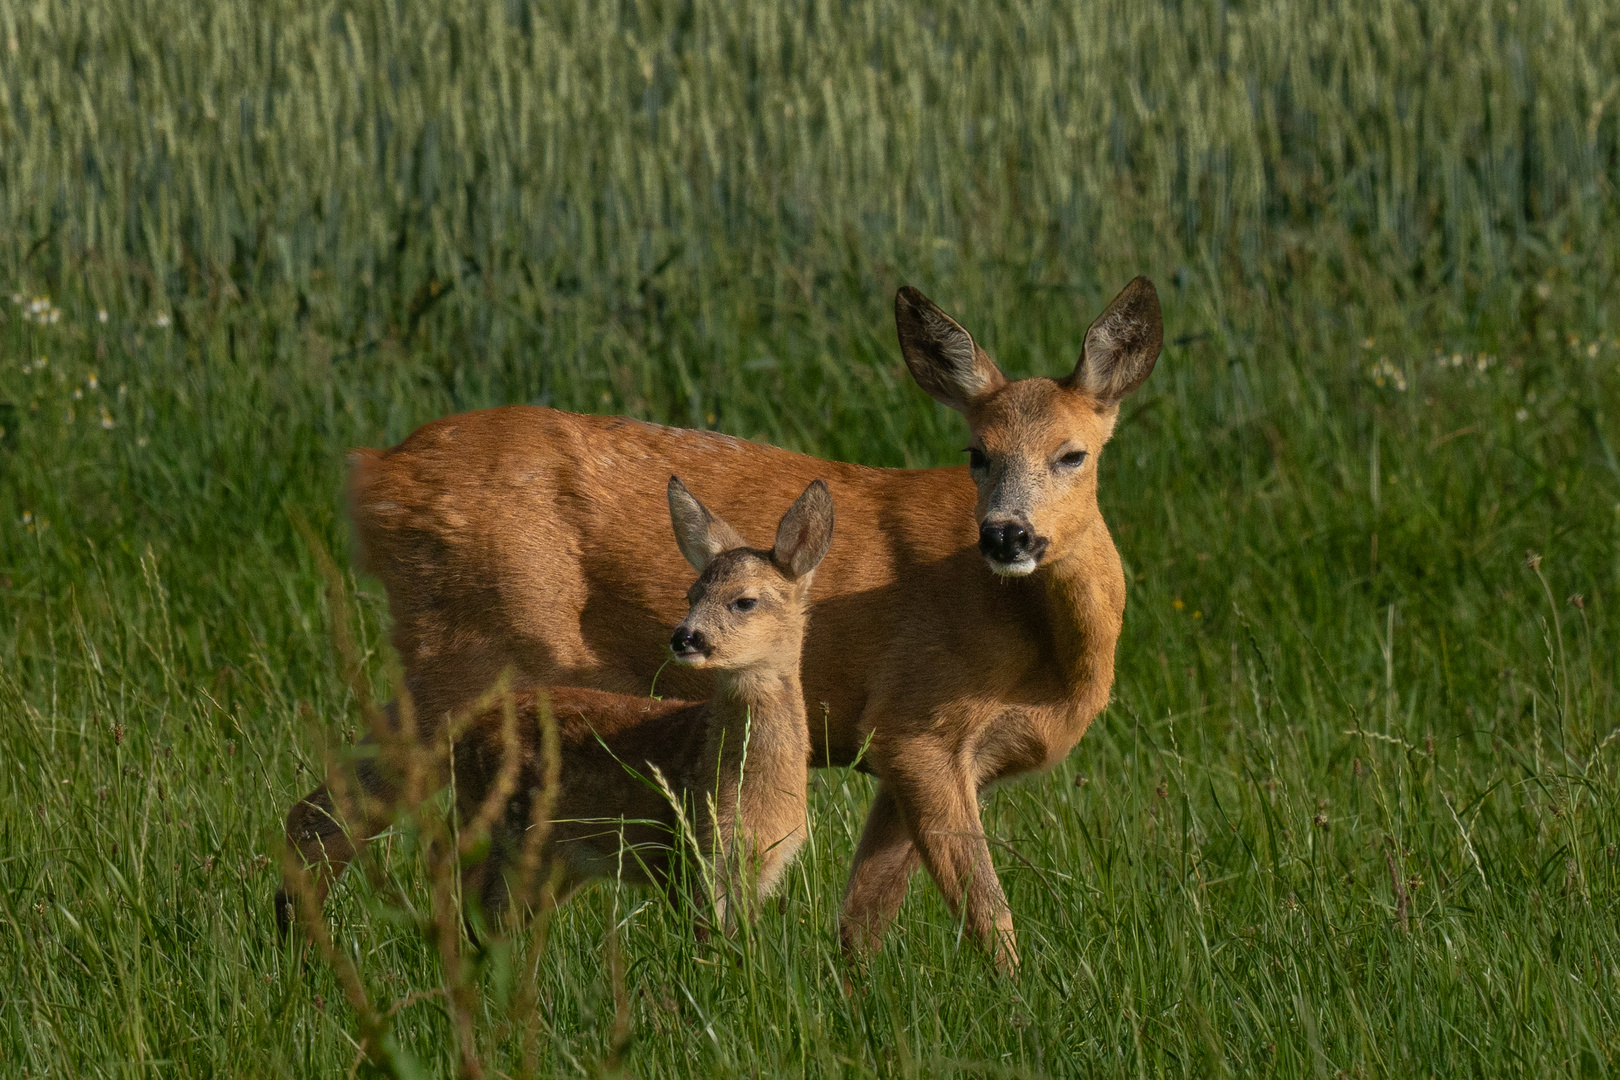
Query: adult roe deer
(963, 631)
(744, 752)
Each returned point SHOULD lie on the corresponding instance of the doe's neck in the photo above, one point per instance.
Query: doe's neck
(1084, 601)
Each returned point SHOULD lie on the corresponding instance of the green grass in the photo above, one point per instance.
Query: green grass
(1386, 240)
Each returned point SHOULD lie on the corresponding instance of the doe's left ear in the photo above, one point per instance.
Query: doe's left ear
(805, 534)
(1122, 346)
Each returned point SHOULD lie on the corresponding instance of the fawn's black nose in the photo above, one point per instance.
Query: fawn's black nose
(686, 642)
(1007, 541)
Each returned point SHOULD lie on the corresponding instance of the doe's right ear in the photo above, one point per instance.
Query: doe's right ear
(700, 535)
(943, 357)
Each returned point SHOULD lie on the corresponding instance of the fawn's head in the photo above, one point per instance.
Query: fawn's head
(748, 606)
(1035, 441)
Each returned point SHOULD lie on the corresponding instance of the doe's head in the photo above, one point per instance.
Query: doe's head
(748, 606)
(1035, 442)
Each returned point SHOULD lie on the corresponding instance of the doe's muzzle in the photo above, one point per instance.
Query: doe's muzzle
(1007, 541)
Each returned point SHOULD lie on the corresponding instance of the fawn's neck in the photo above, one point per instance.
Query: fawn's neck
(767, 701)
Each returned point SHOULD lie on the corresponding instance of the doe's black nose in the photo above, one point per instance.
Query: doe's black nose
(1005, 541)
(688, 641)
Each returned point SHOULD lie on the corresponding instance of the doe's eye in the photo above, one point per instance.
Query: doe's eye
(744, 603)
(1073, 459)
(976, 458)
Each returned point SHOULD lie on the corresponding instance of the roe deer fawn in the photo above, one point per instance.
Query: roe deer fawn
(964, 631)
(744, 753)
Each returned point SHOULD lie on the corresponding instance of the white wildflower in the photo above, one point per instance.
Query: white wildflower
(1385, 372)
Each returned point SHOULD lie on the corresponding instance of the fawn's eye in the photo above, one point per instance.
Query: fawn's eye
(744, 603)
(1073, 459)
(976, 459)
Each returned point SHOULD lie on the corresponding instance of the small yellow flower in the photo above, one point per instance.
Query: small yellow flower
(1177, 604)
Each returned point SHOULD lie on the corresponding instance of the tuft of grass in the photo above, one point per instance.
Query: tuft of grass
(1354, 809)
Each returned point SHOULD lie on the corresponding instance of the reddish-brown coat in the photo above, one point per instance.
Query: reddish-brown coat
(532, 539)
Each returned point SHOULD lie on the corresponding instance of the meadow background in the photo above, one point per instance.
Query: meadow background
(1354, 809)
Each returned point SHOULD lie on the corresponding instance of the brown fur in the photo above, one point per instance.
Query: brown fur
(529, 539)
(735, 765)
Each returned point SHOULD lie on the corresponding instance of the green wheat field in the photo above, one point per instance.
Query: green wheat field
(1354, 809)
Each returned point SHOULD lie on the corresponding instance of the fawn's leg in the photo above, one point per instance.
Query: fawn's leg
(760, 821)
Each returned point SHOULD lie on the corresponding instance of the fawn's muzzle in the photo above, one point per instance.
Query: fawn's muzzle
(688, 644)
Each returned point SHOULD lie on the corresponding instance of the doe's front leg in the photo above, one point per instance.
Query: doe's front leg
(940, 804)
(884, 861)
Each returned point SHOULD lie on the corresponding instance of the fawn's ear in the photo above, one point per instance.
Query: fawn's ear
(805, 533)
(943, 357)
(700, 534)
(1122, 345)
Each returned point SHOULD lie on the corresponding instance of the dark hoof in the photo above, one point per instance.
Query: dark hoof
(286, 912)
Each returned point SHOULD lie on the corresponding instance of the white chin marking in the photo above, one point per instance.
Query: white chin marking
(1022, 568)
